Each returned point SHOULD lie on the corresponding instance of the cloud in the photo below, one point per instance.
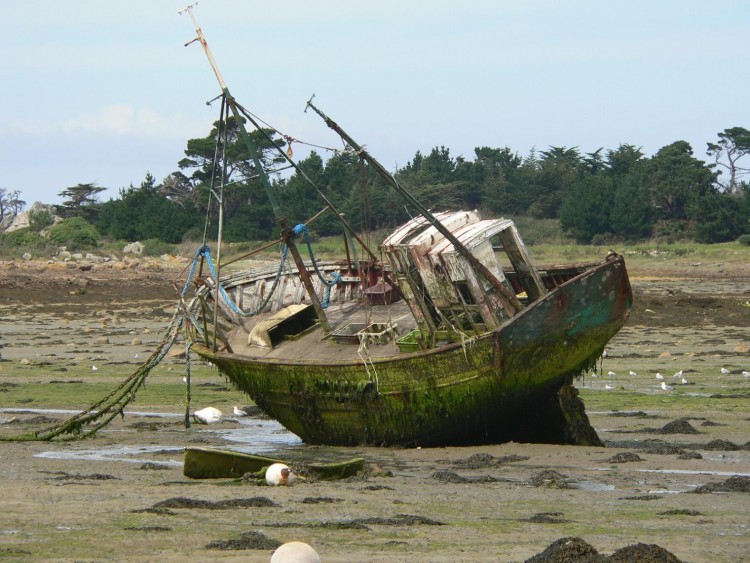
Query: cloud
(143, 123)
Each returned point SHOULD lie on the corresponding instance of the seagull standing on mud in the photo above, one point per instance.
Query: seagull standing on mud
(238, 411)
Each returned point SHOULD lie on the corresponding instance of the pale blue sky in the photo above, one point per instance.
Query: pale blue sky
(104, 91)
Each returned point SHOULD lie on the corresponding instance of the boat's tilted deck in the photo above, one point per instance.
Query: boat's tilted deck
(315, 346)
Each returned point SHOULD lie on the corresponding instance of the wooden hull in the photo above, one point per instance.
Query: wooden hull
(491, 389)
(211, 463)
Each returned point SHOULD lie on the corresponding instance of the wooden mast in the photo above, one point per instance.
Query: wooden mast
(286, 232)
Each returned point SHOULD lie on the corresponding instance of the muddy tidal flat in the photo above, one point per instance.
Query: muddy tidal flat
(672, 483)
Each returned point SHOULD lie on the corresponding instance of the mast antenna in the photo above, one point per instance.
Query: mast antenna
(202, 39)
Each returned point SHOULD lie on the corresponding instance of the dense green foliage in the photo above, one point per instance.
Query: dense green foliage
(608, 195)
(74, 233)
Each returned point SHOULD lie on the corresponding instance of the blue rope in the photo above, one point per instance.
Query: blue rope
(301, 229)
(206, 253)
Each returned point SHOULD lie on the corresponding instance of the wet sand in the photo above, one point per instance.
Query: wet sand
(504, 502)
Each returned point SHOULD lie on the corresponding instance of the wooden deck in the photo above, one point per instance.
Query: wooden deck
(315, 346)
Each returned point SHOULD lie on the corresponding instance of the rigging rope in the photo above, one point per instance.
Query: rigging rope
(301, 229)
(89, 421)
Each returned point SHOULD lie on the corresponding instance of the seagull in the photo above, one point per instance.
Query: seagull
(632, 372)
(666, 387)
(611, 373)
(725, 371)
(677, 375)
(660, 377)
(238, 411)
(295, 552)
(280, 474)
(209, 415)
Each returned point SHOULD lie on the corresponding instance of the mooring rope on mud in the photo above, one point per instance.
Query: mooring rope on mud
(102, 412)
(89, 421)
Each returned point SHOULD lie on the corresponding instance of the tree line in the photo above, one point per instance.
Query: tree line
(600, 197)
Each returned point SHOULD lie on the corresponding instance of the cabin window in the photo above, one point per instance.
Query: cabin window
(463, 290)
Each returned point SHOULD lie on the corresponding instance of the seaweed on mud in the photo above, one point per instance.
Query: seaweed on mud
(151, 466)
(247, 540)
(341, 525)
(476, 461)
(149, 425)
(319, 500)
(643, 553)
(730, 396)
(13, 551)
(452, 477)
(161, 510)
(567, 549)
(679, 426)
(680, 512)
(399, 520)
(65, 476)
(377, 488)
(721, 446)
(546, 518)
(551, 479)
(625, 457)
(643, 497)
(183, 502)
(661, 448)
(735, 484)
(362, 523)
(512, 458)
(41, 419)
(633, 414)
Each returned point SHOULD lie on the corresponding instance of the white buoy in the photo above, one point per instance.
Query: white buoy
(295, 552)
(279, 474)
(209, 415)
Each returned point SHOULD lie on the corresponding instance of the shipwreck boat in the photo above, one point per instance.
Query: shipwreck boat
(456, 338)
